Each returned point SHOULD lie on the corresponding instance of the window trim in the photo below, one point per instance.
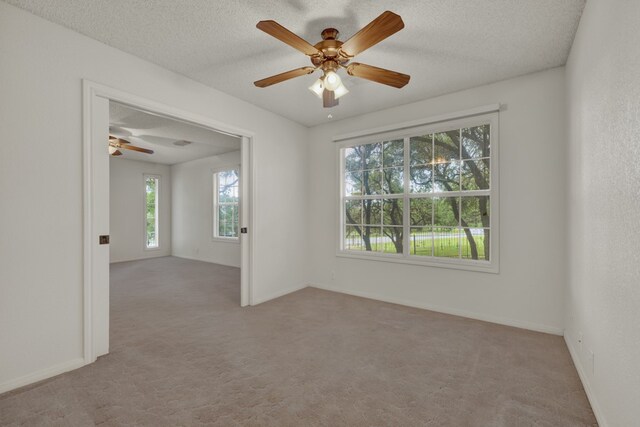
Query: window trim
(146, 176)
(214, 205)
(435, 125)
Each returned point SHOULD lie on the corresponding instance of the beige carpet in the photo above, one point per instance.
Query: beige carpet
(184, 353)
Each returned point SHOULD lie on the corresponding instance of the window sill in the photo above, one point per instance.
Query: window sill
(235, 240)
(157, 248)
(467, 265)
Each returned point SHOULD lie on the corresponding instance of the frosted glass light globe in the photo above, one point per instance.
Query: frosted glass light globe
(317, 88)
(332, 81)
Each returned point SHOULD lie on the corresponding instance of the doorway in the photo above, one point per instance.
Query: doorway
(96, 120)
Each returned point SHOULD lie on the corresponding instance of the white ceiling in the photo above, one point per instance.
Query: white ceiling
(446, 45)
(159, 134)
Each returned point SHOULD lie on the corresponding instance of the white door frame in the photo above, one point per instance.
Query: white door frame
(95, 202)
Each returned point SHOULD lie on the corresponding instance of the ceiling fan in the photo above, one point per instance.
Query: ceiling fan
(330, 54)
(115, 144)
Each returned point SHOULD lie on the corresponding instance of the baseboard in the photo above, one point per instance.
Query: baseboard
(41, 375)
(585, 382)
(139, 258)
(203, 260)
(278, 294)
(462, 313)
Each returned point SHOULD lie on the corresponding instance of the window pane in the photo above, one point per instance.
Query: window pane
(372, 238)
(392, 240)
(392, 212)
(228, 199)
(421, 179)
(372, 154)
(446, 242)
(475, 211)
(227, 221)
(353, 158)
(447, 176)
(475, 244)
(353, 184)
(372, 182)
(228, 186)
(421, 150)
(475, 175)
(224, 220)
(372, 211)
(393, 153)
(234, 219)
(476, 142)
(151, 214)
(352, 239)
(393, 181)
(446, 146)
(353, 212)
(445, 211)
(421, 241)
(421, 211)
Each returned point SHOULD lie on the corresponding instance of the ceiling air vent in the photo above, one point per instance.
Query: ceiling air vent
(182, 143)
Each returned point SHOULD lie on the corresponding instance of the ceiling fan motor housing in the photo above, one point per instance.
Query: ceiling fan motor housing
(331, 57)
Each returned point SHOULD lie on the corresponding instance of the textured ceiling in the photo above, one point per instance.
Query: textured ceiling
(159, 133)
(446, 45)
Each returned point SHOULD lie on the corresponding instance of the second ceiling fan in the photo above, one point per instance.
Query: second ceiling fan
(330, 54)
(116, 144)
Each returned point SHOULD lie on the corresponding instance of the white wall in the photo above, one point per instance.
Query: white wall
(192, 184)
(528, 291)
(41, 251)
(127, 209)
(603, 296)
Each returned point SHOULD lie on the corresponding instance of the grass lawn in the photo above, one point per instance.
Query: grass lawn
(445, 246)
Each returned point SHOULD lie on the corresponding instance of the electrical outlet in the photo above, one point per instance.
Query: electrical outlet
(333, 276)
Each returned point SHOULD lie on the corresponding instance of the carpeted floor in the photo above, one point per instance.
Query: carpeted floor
(184, 353)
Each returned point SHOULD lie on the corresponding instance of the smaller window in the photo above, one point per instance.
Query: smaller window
(225, 204)
(152, 191)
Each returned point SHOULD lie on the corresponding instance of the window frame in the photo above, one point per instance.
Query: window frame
(146, 176)
(215, 192)
(404, 133)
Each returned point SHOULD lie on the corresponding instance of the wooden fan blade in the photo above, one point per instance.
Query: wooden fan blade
(116, 140)
(281, 33)
(134, 148)
(378, 75)
(284, 76)
(117, 153)
(328, 99)
(377, 30)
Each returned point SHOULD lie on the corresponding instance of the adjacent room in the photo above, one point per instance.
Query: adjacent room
(175, 192)
(174, 210)
(341, 213)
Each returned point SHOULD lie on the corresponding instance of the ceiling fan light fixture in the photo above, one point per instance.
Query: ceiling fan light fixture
(341, 90)
(112, 149)
(317, 87)
(332, 81)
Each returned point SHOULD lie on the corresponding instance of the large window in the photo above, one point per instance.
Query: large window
(152, 191)
(225, 204)
(424, 197)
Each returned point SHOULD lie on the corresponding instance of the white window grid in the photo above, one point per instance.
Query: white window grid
(406, 197)
(217, 204)
(154, 242)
